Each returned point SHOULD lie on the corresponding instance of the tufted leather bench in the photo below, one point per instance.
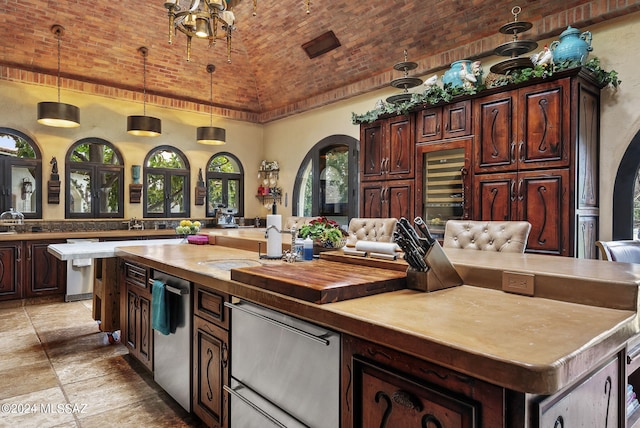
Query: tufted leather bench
(297, 222)
(371, 229)
(627, 251)
(505, 236)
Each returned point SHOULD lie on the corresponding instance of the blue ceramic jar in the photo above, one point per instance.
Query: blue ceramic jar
(572, 46)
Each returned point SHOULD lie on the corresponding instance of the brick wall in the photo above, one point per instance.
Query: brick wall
(269, 77)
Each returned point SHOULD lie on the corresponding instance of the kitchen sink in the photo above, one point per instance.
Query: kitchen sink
(229, 264)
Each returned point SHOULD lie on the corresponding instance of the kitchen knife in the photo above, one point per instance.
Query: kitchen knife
(422, 227)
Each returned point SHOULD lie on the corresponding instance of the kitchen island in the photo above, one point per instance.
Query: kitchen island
(531, 352)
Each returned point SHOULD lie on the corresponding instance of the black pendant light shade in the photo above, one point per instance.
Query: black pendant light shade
(144, 126)
(51, 113)
(211, 135)
(60, 115)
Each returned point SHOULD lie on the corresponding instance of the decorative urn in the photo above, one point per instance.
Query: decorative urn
(462, 73)
(572, 46)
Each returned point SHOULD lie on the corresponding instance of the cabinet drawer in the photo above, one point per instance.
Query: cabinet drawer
(135, 274)
(209, 305)
(383, 397)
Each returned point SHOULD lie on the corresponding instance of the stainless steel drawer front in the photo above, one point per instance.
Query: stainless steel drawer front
(292, 363)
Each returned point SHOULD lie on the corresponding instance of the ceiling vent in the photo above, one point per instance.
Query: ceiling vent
(321, 44)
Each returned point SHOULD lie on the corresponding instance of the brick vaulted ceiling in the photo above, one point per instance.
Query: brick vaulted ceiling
(270, 75)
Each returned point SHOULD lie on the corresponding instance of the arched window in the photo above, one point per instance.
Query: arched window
(166, 179)
(20, 174)
(626, 194)
(94, 176)
(225, 184)
(326, 183)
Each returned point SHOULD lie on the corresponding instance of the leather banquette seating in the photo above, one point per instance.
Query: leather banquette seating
(504, 236)
(371, 229)
(627, 251)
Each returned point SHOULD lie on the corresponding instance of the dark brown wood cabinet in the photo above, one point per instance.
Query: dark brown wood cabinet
(391, 198)
(44, 273)
(536, 159)
(539, 197)
(386, 149)
(444, 122)
(135, 321)
(28, 270)
(385, 388)
(10, 273)
(523, 129)
(210, 356)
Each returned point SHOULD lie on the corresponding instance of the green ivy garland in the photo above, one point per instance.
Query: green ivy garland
(436, 94)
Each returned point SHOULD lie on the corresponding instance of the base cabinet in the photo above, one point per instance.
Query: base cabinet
(594, 402)
(10, 274)
(44, 273)
(210, 357)
(136, 319)
(385, 388)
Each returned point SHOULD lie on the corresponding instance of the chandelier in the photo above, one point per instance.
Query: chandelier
(205, 19)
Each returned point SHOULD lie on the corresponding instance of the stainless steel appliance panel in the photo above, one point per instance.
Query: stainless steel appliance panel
(171, 353)
(292, 363)
(250, 410)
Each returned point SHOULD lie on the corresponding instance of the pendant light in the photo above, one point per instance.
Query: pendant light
(58, 114)
(211, 135)
(144, 126)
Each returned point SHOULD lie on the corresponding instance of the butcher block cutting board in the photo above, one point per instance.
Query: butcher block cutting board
(321, 281)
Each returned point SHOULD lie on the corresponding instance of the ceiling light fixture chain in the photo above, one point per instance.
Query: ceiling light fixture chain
(58, 114)
(58, 30)
(144, 51)
(200, 19)
(211, 135)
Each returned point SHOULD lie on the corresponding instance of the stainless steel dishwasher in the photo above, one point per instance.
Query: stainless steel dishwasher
(285, 372)
(172, 353)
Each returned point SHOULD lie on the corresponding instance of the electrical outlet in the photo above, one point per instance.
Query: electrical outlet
(518, 282)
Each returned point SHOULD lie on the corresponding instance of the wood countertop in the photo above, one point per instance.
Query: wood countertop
(582, 312)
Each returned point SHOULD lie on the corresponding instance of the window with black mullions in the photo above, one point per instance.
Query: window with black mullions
(166, 179)
(225, 184)
(20, 174)
(94, 176)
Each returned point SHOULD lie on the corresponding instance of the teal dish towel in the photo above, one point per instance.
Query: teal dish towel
(159, 308)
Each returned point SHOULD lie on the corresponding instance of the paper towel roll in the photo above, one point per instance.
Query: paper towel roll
(377, 247)
(274, 238)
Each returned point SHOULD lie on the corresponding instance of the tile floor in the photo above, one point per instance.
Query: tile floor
(56, 370)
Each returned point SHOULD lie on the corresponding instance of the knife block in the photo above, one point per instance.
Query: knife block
(441, 273)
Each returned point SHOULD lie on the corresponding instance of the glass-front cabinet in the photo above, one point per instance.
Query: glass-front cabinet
(444, 183)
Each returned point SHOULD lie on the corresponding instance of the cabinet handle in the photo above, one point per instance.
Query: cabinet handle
(512, 154)
(438, 128)
(521, 151)
(520, 195)
(407, 399)
(282, 325)
(29, 252)
(235, 394)
(19, 254)
(446, 126)
(513, 190)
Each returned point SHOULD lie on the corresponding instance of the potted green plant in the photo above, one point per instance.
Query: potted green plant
(325, 233)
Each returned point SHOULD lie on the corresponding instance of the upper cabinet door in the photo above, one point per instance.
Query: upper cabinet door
(544, 118)
(371, 144)
(495, 129)
(439, 123)
(399, 157)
